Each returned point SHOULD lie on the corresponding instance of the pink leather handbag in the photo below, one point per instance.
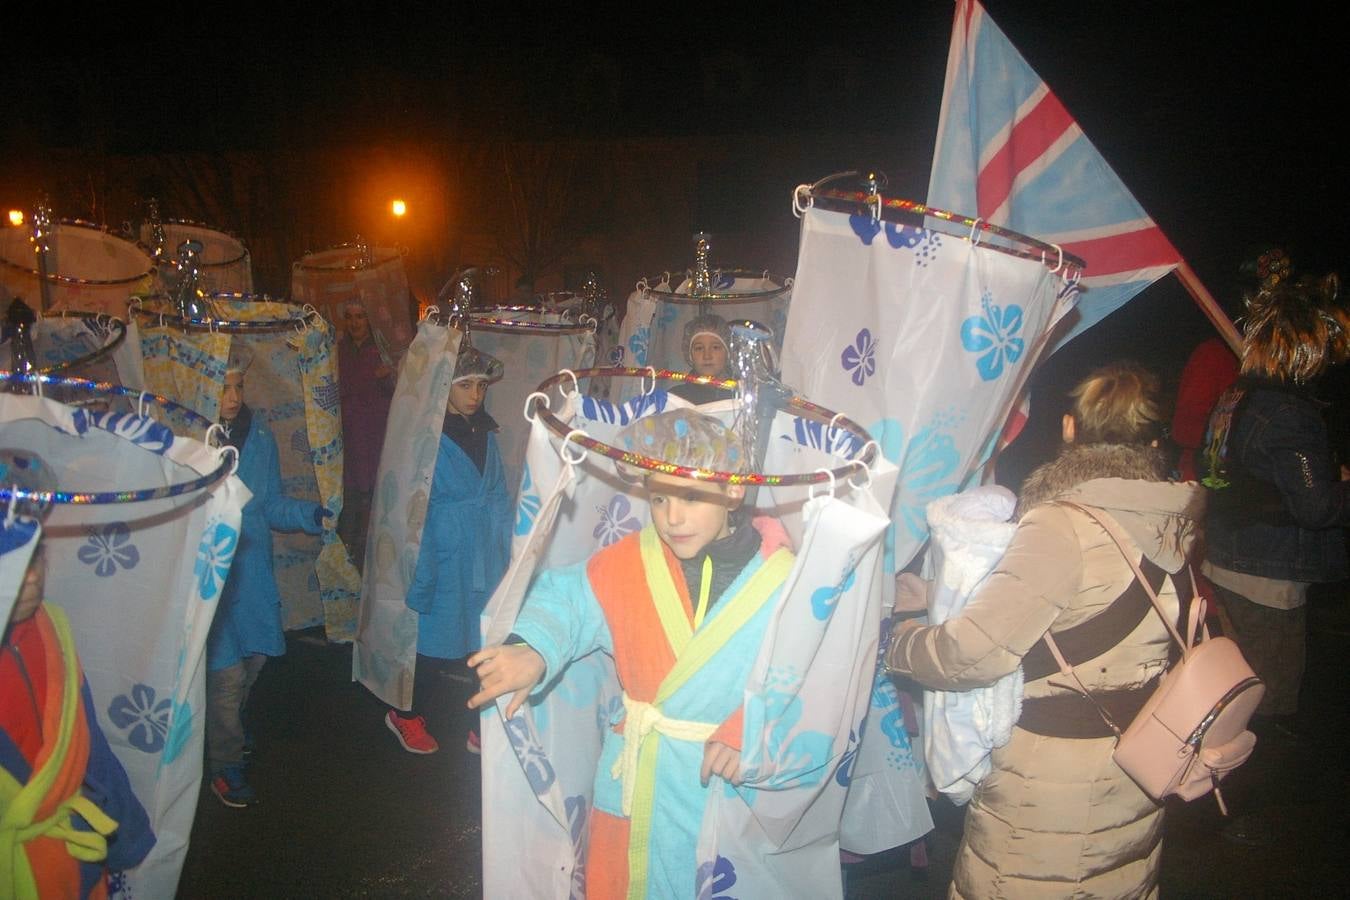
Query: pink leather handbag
(1193, 730)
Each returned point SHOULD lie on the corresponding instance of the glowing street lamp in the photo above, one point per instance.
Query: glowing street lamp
(398, 208)
(16, 217)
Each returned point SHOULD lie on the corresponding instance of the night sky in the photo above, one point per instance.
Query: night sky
(1222, 122)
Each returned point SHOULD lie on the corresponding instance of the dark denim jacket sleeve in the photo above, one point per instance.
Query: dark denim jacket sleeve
(1285, 442)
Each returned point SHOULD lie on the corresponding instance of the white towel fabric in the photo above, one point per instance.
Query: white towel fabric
(970, 532)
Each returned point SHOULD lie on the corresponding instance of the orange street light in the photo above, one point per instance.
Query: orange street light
(16, 217)
(398, 208)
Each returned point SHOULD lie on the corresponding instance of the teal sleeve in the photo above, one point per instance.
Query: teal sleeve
(562, 620)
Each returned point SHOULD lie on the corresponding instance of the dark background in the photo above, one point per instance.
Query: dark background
(293, 127)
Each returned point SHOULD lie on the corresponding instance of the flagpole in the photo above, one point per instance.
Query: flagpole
(1209, 306)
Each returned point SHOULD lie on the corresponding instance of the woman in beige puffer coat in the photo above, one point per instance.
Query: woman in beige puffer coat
(1056, 817)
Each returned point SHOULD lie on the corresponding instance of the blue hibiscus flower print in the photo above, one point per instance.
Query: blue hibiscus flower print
(108, 548)
(859, 357)
(824, 599)
(797, 757)
(214, 555)
(615, 521)
(928, 464)
(145, 721)
(714, 879)
(528, 508)
(865, 227)
(538, 770)
(637, 344)
(843, 776)
(144, 432)
(666, 314)
(820, 436)
(993, 335)
(577, 810)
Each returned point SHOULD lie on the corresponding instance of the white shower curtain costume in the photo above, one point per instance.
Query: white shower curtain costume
(139, 583)
(775, 836)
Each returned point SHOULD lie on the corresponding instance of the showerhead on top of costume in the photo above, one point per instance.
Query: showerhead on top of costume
(27, 471)
(474, 363)
(682, 437)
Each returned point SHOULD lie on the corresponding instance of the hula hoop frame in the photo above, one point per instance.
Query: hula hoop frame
(906, 211)
(866, 457)
(375, 262)
(720, 297)
(9, 494)
(232, 326)
(58, 278)
(98, 352)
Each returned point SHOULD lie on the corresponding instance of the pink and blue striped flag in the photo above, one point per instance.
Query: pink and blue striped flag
(1009, 152)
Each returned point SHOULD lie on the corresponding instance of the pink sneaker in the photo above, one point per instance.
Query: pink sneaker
(473, 744)
(411, 733)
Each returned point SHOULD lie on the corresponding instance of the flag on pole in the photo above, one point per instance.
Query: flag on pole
(1009, 152)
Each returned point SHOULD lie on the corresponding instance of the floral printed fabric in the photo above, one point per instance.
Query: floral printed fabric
(292, 385)
(139, 583)
(800, 728)
(653, 329)
(529, 358)
(926, 340)
(386, 637)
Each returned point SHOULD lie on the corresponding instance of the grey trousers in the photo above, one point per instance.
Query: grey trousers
(1274, 643)
(227, 691)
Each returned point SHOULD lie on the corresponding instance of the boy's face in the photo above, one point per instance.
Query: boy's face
(232, 397)
(708, 353)
(468, 395)
(690, 515)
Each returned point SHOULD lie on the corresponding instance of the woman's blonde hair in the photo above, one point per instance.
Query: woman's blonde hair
(1294, 330)
(1117, 404)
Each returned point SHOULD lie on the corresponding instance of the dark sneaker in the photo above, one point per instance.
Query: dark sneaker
(232, 789)
(411, 733)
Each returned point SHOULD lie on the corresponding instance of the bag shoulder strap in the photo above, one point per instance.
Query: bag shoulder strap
(1117, 534)
(1090, 639)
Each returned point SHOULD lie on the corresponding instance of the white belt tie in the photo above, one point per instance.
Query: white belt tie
(641, 720)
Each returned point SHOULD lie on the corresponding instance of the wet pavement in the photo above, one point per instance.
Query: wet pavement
(346, 812)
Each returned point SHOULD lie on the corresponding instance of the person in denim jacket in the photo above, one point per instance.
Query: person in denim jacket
(1278, 501)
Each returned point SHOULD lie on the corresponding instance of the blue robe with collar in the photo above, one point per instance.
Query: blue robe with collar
(248, 620)
(466, 545)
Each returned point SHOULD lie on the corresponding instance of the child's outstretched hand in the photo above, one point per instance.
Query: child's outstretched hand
(504, 668)
(722, 761)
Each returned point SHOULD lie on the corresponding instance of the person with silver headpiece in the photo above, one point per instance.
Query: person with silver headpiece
(67, 812)
(466, 543)
(366, 385)
(706, 342)
(247, 627)
(697, 576)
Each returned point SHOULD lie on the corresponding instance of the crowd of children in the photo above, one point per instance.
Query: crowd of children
(681, 606)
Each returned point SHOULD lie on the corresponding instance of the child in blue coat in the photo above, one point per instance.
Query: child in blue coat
(466, 542)
(247, 626)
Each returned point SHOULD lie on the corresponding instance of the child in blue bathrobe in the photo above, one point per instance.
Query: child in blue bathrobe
(247, 626)
(466, 542)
